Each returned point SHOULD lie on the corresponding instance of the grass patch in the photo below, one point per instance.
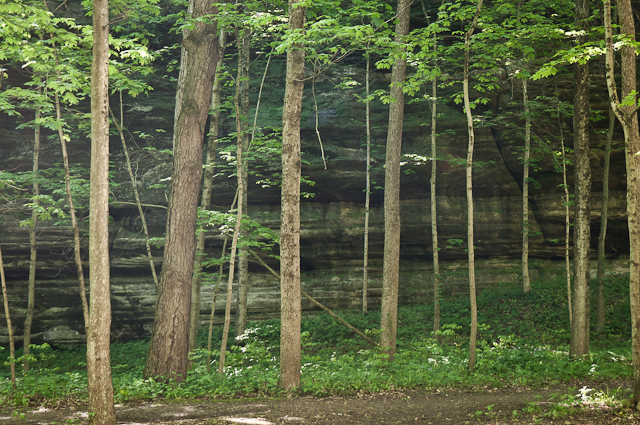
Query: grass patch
(523, 340)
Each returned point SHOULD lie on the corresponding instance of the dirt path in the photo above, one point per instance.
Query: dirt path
(440, 407)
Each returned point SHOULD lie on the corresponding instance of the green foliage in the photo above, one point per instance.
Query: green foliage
(522, 340)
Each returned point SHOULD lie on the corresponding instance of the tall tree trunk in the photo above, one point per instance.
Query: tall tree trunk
(391, 262)
(367, 201)
(241, 196)
(12, 344)
(581, 228)
(243, 179)
(169, 347)
(604, 209)
(526, 282)
(628, 117)
(33, 245)
(432, 183)
(134, 184)
(290, 308)
(205, 201)
(100, 384)
(469, 168)
(567, 229)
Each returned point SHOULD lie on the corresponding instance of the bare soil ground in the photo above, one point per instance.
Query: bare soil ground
(402, 407)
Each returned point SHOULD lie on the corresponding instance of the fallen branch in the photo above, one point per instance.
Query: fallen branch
(310, 298)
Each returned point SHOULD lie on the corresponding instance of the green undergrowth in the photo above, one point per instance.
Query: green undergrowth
(522, 341)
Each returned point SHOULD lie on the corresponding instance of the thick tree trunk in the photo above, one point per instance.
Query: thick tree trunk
(33, 245)
(169, 346)
(100, 385)
(581, 227)
(7, 315)
(628, 117)
(205, 201)
(290, 310)
(603, 225)
(526, 282)
(469, 173)
(391, 262)
(243, 179)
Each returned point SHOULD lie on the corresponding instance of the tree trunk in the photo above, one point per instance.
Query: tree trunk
(12, 345)
(100, 384)
(213, 303)
(205, 202)
(391, 262)
(367, 201)
(243, 179)
(469, 168)
(169, 346)
(526, 282)
(567, 229)
(33, 245)
(603, 225)
(290, 309)
(241, 201)
(581, 227)
(74, 221)
(628, 117)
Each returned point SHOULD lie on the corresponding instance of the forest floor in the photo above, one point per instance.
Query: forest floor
(484, 406)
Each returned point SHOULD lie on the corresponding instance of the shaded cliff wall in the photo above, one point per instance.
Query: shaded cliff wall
(333, 219)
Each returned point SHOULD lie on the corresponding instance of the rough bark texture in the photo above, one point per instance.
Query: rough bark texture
(290, 308)
(628, 117)
(100, 384)
(469, 169)
(33, 246)
(391, 262)
(205, 202)
(526, 282)
(243, 139)
(581, 226)
(632, 154)
(169, 346)
(603, 225)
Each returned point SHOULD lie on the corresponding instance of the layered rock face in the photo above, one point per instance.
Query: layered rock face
(332, 218)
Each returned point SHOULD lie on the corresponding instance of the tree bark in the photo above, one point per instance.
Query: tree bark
(207, 187)
(526, 281)
(169, 346)
(367, 201)
(581, 228)
(469, 174)
(391, 262)
(100, 384)
(628, 117)
(33, 245)
(243, 179)
(604, 209)
(290, 310)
